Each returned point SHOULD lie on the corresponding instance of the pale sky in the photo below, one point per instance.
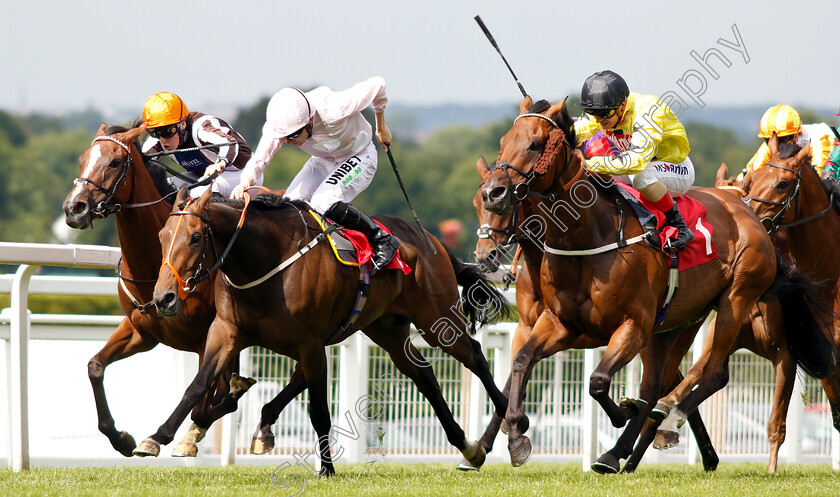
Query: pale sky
(60, 55)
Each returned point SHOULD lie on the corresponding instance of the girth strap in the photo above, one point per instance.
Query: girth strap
(364, 289)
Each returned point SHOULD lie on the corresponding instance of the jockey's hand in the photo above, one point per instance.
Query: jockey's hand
(239, 191)
(580, 156)
(218, 167)
(384, 136)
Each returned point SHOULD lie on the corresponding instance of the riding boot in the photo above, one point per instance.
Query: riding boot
(384, 244)
(675, 219)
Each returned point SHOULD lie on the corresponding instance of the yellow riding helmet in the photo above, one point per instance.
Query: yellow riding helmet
(782, 119)
(164, 108)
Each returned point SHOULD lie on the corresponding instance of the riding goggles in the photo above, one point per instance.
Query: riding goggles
(295, 134)
(602, 113)
(163, 131)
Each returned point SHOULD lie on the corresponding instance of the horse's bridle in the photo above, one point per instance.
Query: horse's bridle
(522, 190)
(774, 223)
(104, 208)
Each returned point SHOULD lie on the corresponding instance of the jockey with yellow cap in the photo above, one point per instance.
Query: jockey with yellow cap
(171, 126)
(329, 126)
(786, 123)
(650, 143)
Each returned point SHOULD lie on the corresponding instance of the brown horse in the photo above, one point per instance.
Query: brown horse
(596, 254)
(803, 212)
(285, 291)
(115, 178)
(497, 232)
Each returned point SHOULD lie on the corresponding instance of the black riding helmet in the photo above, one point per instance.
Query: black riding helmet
(603, 90)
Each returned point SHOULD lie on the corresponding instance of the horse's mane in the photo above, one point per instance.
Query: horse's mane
(563, 120)
(831, 187)
(264, 201)
(157, 172)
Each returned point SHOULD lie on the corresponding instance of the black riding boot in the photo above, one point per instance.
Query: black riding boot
(675, 219)
(384, 244)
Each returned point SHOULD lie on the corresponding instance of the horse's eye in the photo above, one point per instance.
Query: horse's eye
(782, 185)
(116, 162)
(536, 145)
(195, 238)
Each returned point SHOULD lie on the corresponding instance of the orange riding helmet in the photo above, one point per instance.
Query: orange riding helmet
(782, 119)
(164, 108)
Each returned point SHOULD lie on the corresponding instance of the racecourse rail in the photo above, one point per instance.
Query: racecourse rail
(377, 413)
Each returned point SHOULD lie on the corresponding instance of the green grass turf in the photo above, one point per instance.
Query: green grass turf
(387, 479)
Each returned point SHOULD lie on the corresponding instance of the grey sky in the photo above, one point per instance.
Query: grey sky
(60, 55)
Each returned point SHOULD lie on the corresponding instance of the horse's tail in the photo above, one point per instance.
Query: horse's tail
(482, 302)
(805, 325)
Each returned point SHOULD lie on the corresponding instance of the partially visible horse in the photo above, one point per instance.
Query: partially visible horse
(284, 290)
(803, 213)
(601, 280)
(116, 178)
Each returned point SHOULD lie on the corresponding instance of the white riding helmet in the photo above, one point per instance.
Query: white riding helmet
(288, 111)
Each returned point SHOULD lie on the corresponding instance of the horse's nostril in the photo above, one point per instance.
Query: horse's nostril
(79, 207)
(498, 192)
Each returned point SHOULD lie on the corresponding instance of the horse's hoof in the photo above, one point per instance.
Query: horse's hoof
(147, 448)
(474, 454)
(659, 412)
(262, 445)
(504, 427)
(632, 406)
(666, 439)
(709, 466)
(607, 464)
(629, 467)
(125, 444)
(465, 465)
(240, 384)
(185, 449)
(520, 451)
(327, 471)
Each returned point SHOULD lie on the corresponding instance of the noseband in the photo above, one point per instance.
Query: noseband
(775, 221)
(104, 207)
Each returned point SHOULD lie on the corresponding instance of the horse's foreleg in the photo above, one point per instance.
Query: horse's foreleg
(263, 440)
(777, 424)
(624, 344)
(313, 363)
(124, 342)
(219, 351)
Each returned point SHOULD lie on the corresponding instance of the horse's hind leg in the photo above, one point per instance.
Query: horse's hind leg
(397, 342)
(263, 440)
(313, 363)
(124, 342)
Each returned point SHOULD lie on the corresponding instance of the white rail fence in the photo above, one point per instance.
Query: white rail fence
(377, 412)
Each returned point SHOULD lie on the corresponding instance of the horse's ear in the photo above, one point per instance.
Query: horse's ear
(183, 195)
(745, 184)
(525, 105)
(556, 109)
(201, 203)
(482, 167)
(102, 129)
(722, 174)
(803, 154)
(773, 144)
(132, 134)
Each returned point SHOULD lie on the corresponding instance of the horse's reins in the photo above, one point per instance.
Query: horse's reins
(775, 221)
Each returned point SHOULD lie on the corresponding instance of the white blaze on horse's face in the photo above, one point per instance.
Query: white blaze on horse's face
(93, 157)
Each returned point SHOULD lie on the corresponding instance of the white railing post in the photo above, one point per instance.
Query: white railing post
(19, 456)
(476, 398)
(350, 427)
(835, 449)
(501, 372)
(589, 437)
(791, 450)
(230, 421)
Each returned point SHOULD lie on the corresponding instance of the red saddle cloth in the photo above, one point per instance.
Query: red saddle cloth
(700, 250)
(364, 252)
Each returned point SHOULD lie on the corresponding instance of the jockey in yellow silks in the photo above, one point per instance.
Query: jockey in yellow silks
(651, 142)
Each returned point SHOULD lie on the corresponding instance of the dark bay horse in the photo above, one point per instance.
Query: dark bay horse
(297, 310)
(596, 253)
(803, 213)
(115, 179)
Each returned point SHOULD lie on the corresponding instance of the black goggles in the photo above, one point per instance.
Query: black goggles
(163, 131)
(602, 113)
(295, 134)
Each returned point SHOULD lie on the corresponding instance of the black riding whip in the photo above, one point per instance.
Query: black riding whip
(402, 187)
(493, 42)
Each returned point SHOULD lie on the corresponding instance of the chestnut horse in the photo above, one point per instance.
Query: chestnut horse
(115, 178)
(285, 291)
(496, 233)
(764, 332)
(595, 254)
(803, 212)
